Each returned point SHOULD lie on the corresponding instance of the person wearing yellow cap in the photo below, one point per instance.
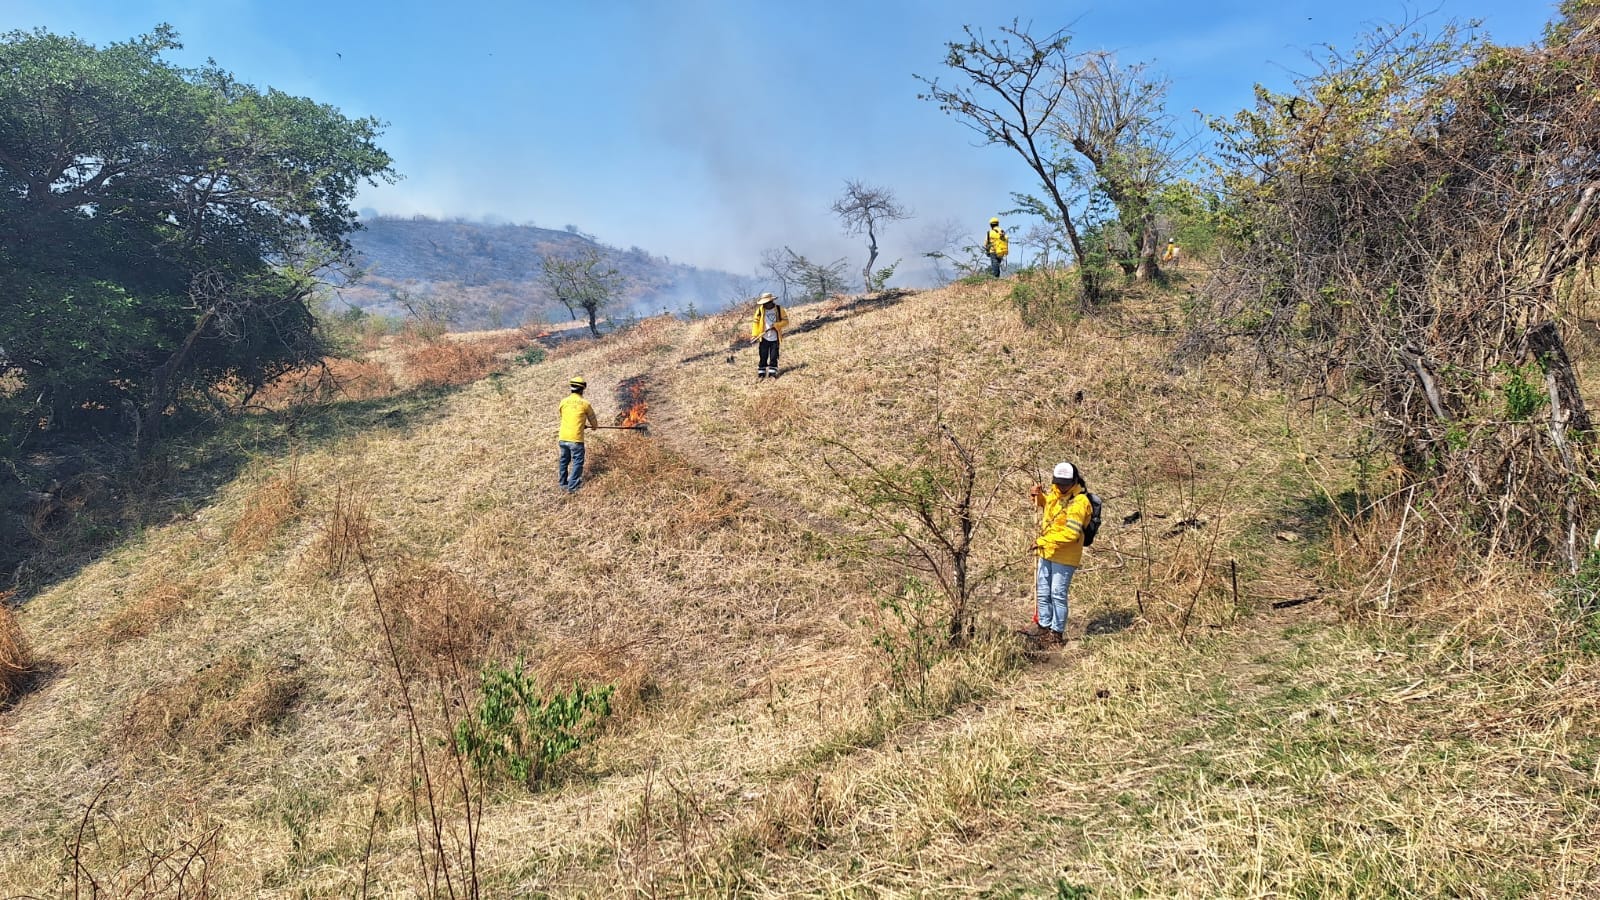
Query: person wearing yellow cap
(767, 331)
(1064, 513)
(996, 246)
(576, 415)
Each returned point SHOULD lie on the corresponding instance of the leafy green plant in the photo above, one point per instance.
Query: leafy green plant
(515, 731)
(531, 356)
(913, 635)
(880, 279)
(1523, 391)
(1046, 297)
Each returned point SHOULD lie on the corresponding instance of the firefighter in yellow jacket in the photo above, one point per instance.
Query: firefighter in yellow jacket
(996, 246)
(1063, 513)
(767, 330)
(576, 415)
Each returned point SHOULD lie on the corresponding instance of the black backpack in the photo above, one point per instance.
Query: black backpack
(1093, 528)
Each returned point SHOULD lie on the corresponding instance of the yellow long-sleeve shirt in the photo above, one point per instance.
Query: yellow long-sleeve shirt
(576, 414)
(1061, 522)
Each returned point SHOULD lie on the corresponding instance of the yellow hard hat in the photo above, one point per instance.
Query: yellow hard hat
(994, 221)
(578, 382)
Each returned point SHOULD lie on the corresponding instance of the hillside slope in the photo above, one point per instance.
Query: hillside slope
(493, 275)
(222, 689)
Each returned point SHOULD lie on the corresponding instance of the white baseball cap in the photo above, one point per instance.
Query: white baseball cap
(1064, 471)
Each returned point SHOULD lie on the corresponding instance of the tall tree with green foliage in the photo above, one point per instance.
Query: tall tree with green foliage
(587, 282)
(162, 229)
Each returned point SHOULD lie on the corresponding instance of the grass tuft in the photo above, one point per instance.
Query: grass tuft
(273, 503)
(206, 710)
(445, 621)
(16, 659)
(346, 528)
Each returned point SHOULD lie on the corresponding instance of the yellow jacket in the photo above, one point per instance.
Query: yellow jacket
(995, 244)
(1061, 523)
(759, 326)
(576, 414)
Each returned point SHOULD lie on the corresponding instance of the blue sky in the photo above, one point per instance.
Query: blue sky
(709, 130)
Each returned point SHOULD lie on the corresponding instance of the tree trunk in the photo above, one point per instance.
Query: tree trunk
(148, 423)
(1567, 414)
(594, 328)
(1148, 267)
(1091, 284)
(872, 257)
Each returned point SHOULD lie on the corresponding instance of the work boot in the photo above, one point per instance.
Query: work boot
(1034, 630)
(1053, 639)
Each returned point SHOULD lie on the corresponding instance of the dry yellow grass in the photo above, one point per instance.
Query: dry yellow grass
(208, 709)
(16, 660)
(711, 571)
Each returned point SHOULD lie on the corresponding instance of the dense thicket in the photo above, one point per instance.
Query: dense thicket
(161, 230)
(1407, 223)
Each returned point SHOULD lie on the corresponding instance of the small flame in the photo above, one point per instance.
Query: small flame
(635, 414)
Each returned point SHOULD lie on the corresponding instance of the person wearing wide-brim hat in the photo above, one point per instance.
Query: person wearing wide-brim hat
(767, 331)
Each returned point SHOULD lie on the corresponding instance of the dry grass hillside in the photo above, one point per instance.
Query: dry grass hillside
(255, 699)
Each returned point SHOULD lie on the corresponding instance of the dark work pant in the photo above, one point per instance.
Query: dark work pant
(768, 361)
(571, 455)
(994, 265)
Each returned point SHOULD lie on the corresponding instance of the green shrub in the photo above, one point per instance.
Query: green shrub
(1524, 391)
(1046, 298)
(515, 732)
(531, 356)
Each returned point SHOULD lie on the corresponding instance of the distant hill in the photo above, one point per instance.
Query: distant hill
(491, 274)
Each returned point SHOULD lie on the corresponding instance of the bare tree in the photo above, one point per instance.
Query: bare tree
(1016, 86)
(945, 247)
(1115, 117)
(587, 282)
(775, 261)
(810, 280)
(864, 208)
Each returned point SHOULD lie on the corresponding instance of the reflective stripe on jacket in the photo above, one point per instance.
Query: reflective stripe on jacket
(760, 324)
(575, 414)
(996, 243)
(1061, 525)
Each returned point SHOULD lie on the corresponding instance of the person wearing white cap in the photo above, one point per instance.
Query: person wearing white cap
(1064, 512)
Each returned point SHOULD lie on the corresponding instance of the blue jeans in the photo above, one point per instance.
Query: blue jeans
(994, 266)
(1054, 581)
(571, 454)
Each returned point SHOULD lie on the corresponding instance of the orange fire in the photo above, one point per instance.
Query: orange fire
(636, 409)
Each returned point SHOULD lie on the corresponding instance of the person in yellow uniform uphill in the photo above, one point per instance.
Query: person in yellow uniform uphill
(1064, 511)
(995, 245)
(767, 330)
(576, 415)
